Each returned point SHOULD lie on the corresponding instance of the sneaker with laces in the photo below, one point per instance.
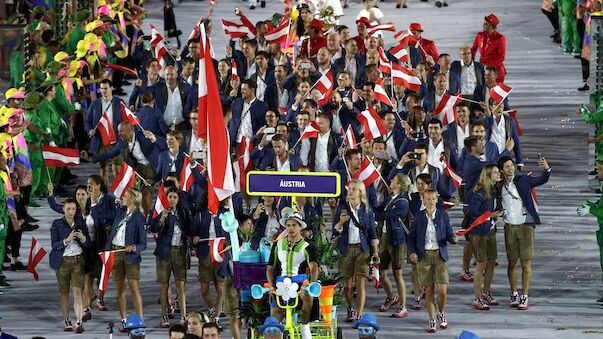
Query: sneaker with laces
(351, 315)
(514, 300)
(488, 299)
(442, 320)
(523, 302)
(68, 326)
(416, 304)
(479, 304)
(165, 322)
(79, 327)
(87, 314)
(100, 305)
(466, 275)
(211, 312)
(431, 328)
(389, 303)
(401, 312)
(122, 327)
(171, 312)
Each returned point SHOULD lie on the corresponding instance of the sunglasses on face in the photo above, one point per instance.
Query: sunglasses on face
(272, 330)
(365, 330)
(138, 332)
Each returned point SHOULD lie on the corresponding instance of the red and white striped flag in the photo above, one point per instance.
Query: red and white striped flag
(244, 163)
(406, 37)
(513, 115)
(456, 179)
(325, 86)
(355, 96)
(36, 254)
(446, 109)
(350, 138)
(106, 131)
(159, 50)
(237, 30)
(234, 71)
(373, 125)
(125, 179)
(195, 31)
(107, 258)
(500, 92)
(388, 26)
(280, 32)
(128, 116)
(220, 178)
(161, 203)
(186, 175)
(202, 89)
(60, 157)
(384, 64)
(311, 131)
(380, 93)
(367, 172)
(478, 221)
(404, 77)
(216, 246)
(400, 53)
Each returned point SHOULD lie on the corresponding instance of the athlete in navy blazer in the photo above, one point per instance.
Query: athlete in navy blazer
(366, 219)
(510, 132)
(164, 167)
(418, 227)
(95, 113)
(394, 212)
(257, 112)
(59, 231)
(429, 100)
(151, 119)
(165, 231)
(135, 234)
(456, 68)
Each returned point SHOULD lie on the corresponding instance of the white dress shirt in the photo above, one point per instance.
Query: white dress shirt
(120, 235)
(173, 107)
(499, 135)
(433, 157)
(283, 167)
(461, 134)
(72, 248)
(468, 78)
(177, 235)
(353, 231)
(515, 211)
(134, 147)
(260, 90)
(106, 107)
(431, 241)
(350, 66)
(321, 156)
(390, 144)
(246, 128)
(304, 152)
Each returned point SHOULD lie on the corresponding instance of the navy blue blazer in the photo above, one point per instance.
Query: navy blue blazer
(418, 227)
(360, 65)
(394, 212)
(271, 92)
(399, 137)
(455, 68)
(200, 228)
(151, 119)
(103, 214)
(510, 132)
(165, 165)
(524, 184)
(492, 155)
(151, 150)
(59, 231)
(269, 160)
(186, 96)
(454, 82)
(472, 167)
(429, 100)
(135, 234)
(366, 220)
(478, 204)
(138, 90)
(257, 111)
(95, 112)
(165, 232)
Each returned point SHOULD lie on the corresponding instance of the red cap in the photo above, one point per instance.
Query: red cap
(491, 18)
(363, 20)
(415, 26)
(316, 24)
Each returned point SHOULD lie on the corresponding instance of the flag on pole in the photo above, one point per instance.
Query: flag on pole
(373, 125)
(186, 175)
(311, 131)
(325, 86)
(244, 163)
(236, 30)
(106, 131)
(127, 115)
(60, 157)
(125, 179)
(406, 37)
(216, 246)
(478, 221)
(445, 111)
(219, 166)
(500, 92)
(456, 179)
(195, 31)
(384, 64)
(161, 203)
(107, 258)
(400, 53)
(404, 77)
(280, 32)
(234, 71)
(388, 26)
(367, 172)
(36, 254)
(202, 89)
(380, 93)
(350, 139)
(355, 96)
(159, 50)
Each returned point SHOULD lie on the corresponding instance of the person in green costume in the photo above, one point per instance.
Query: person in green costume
(35, 136)
(596, 209)
(78, 31)
(52, 123)
(3, 217)
(567, 18)
(60, 101)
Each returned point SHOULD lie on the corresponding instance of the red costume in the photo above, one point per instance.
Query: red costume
(492, 49)
(311, 45)
(429, 47)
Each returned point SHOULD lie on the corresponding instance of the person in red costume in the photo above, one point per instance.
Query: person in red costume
(427, 48)
(314, 42)
(492, 46)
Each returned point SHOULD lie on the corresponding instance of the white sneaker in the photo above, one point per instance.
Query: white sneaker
(305, 331)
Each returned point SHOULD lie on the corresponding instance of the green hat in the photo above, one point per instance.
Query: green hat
(80, 17)
(106, 18)
(54, 67)
(45, 85)
(32, 101)
(39, 10)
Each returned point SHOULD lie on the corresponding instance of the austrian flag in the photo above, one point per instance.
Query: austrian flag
(36, 254)
(311, 131)
(367, 173)
(381, 94)
(350, 138)
(216, 247)
(107, 258)
(400, 53)
(279, 33)
(456, 179)
(127, 115)
(446, 109)
(404, 77)
(500, 92)
(106, 131)
(325, 86)
(125, 179)
(186, 175)
(162, 203)
(60, 157)
(373, 125)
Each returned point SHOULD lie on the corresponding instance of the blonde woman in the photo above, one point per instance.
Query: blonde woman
(128, 235)
(195, 323)
(481, 199)
(355, 225)
(392, 245)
